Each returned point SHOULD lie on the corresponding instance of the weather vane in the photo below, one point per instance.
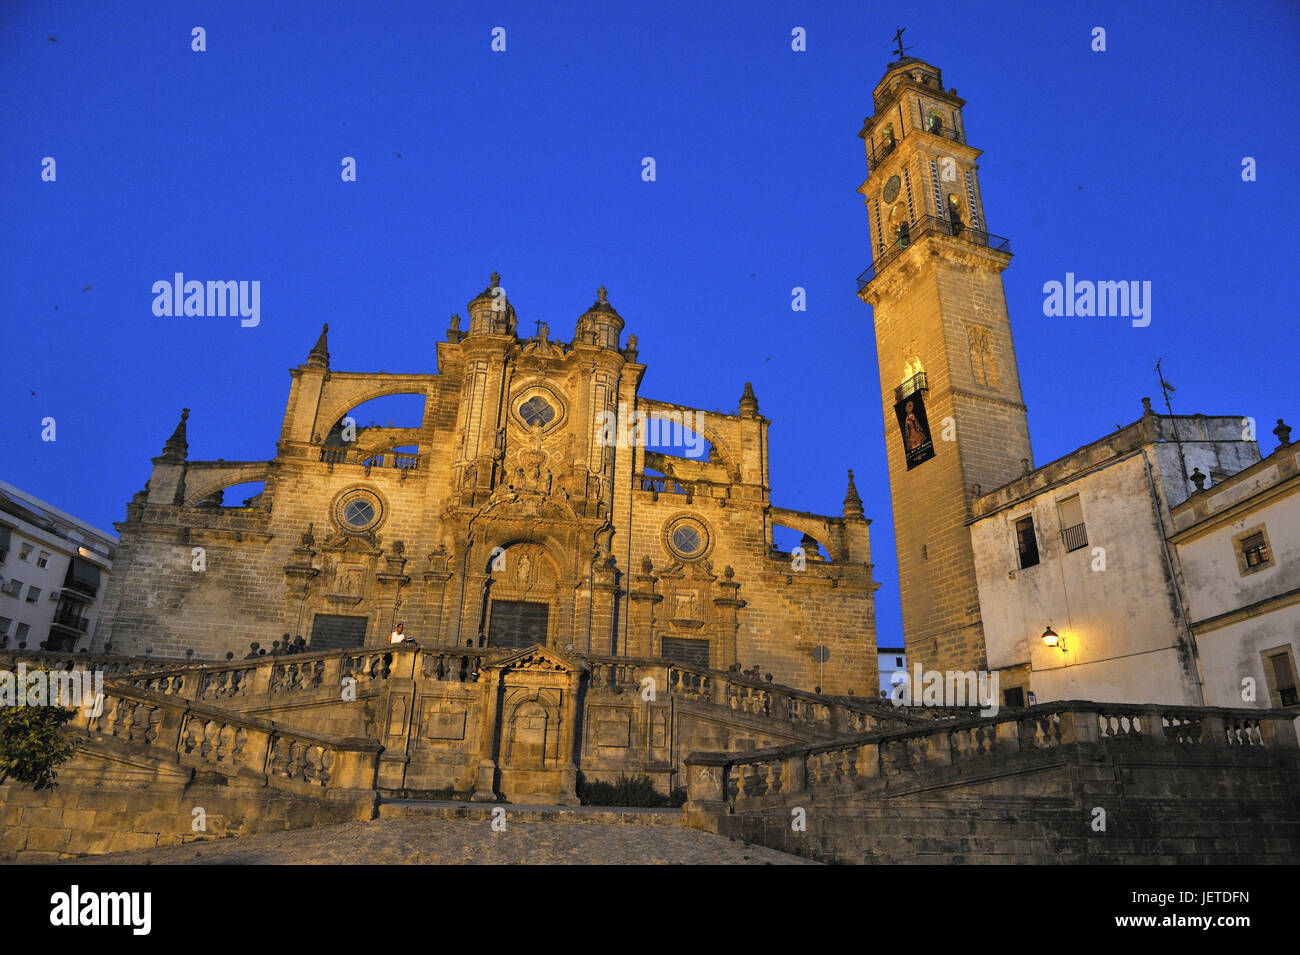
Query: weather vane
(898, 38)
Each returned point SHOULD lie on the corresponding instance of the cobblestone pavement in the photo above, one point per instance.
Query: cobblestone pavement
(456, 841)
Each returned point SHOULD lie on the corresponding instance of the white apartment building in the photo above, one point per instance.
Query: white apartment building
(53, 574)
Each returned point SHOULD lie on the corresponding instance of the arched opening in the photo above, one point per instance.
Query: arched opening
(934, 123)
(377, 433)
(791, 545)
(955, 215)
(245, 494)
(899, 226)
(520, 598)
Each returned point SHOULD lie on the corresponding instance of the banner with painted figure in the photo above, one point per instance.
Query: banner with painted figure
(915, 428)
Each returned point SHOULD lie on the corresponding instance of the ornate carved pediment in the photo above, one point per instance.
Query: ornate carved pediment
(539, 659)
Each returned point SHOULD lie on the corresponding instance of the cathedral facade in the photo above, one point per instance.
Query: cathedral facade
(542, 500)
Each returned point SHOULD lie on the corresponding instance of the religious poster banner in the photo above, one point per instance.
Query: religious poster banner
(915, 428)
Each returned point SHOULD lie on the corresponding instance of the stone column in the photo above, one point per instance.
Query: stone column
(568, 795)
(727, 607)
(643, 602)
(604, 608)
(484, 789)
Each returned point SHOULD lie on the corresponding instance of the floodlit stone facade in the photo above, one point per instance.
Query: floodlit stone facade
(542, 500)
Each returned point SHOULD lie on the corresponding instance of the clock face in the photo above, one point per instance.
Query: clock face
(891, 189)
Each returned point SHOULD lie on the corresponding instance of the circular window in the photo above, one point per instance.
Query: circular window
(359, 510)
(891, 189)
(688, 538)
(537, 410)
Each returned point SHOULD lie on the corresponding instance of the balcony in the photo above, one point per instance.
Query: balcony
(1075, 537)
(399, 460)
(67, 618)
(910, 387)
(924, 226)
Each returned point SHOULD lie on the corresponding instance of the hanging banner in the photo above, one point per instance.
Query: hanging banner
(915, 428)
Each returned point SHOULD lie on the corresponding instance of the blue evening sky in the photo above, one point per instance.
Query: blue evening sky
(225, 165)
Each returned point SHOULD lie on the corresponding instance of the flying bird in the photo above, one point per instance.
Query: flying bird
(398, 155)
(86, 288)
(52, 40)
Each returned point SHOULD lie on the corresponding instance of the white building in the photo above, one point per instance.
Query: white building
(1238, 545)
(1113, 548)
(53, 574)
(889, 661)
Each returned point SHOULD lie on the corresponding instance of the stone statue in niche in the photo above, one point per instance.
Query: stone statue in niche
(686, 605)
(524, 572)
(348, 580)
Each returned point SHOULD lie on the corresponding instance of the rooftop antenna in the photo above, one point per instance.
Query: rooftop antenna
(898, 38)
(1168, 389)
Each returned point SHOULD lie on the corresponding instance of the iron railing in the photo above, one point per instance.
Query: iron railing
(914, 384)
(924, 226)
(875, 156)
(1075, 537)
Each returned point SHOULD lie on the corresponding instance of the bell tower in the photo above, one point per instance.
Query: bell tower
(955, 420)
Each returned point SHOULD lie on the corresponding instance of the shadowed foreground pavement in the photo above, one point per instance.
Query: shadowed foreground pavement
(423, 841)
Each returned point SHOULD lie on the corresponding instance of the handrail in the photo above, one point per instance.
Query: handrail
(924, 226)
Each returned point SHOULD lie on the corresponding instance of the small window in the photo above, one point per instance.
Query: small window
(21, 635)
(13, 587)
(4, 626)
(1279, 671)
(1255, 550)
(25, 553)
(33, 594)
(43, 560)
(898, 661)
(1026, 542)
(1015, 696)
(1073, 531)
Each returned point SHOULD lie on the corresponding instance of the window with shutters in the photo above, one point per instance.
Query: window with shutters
(1252, 550)
(1026, 542)
(1280, 674)
(976, 220)
(934, 186)
(1073, 532)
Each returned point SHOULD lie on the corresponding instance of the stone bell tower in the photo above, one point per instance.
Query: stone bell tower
(955, 421)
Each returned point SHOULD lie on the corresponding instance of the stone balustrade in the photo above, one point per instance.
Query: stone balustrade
(256, 751)
(724, 783)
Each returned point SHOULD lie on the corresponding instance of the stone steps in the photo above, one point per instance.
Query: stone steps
(482, 812)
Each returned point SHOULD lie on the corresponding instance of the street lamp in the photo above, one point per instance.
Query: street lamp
(1053, 639)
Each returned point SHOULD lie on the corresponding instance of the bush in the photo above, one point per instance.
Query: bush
(632, 792)
(33, 744)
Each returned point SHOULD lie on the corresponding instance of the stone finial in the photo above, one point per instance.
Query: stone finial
(729, 572)
(454, 325)
(308, 539)
(602, 295)
(748, 403)
(319, 357)
(852, 502)
(1198, 479)
(1283, 433)
(494, 280)
(1146, 407)
(1024, 464)
(647, 566)
(177, 446)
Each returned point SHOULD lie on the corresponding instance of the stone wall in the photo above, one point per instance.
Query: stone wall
(1063, 782)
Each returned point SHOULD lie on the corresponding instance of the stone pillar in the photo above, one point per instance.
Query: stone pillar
(727, 607)
(435, 582)
(568, 795)
(644, 601)
(484, 788)
(604, 608)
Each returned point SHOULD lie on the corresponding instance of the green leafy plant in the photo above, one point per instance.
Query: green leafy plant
(33, 744)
